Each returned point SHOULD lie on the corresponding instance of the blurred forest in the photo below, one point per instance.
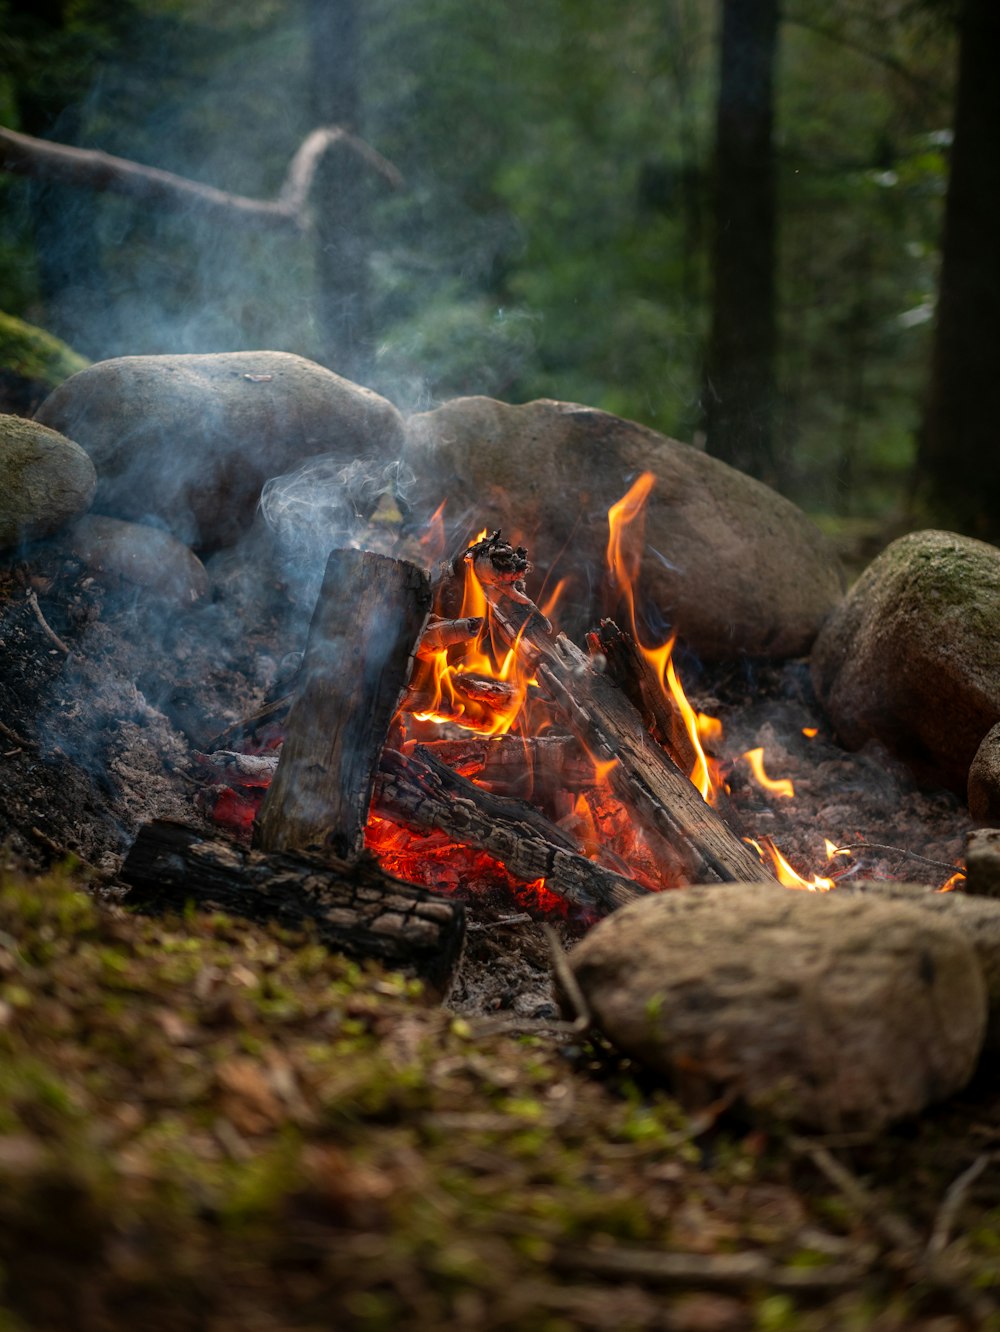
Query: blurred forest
(559, 226)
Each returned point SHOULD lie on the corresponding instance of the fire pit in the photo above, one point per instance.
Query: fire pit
(501, 725)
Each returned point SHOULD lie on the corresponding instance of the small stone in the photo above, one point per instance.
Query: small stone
(982, 863)
(145, 556)
(984, 779)
(47, 480)
(827, 1009)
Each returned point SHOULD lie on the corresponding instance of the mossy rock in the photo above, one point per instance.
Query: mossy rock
(912, 656)
(32, 364)
(48, 480)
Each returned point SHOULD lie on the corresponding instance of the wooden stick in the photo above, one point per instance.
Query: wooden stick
(419, 792)
(718, 1271)
(353, 907)
(95, 170)
(367, 619)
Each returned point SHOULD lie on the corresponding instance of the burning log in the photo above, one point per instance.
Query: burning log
(367, 619)
(609, 727)
(419, 792)
(636, 678)
(537, 768)
(629, 668)
(353, 907)
(441, 634)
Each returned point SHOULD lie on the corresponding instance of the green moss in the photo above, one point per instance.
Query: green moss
(34, 354)
(231, 1125)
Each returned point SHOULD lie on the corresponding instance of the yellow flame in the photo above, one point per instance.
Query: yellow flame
(810, 732)
(956, 881)
(832, 850)
(780, 786)
(783, 870)
(624, 552)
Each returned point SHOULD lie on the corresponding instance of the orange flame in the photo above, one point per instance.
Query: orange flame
(624, 553)
(956, 881)
(625, 539)
(786, 875)
(780, 786)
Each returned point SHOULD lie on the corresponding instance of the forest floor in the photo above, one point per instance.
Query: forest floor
(204, 1124)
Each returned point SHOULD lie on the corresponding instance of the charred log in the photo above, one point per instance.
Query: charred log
(633, 674)
(367, 620)
(626, 665)
(353, 908)
(421, 793)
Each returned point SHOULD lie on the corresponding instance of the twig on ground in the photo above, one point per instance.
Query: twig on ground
(929, 1265)
(47, 629)
(567, 982)
(523, 918)
(14, 738)
(951, 1205)
(893, 1229)
(722, 1271)
(897, 851)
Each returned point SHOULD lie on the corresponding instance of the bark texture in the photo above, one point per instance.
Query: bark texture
(353, 908)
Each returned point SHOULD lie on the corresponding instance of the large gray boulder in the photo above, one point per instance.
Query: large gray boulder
(830, 1010)
(730, 564)
(912, 656)
(47, 480)
(190, 440)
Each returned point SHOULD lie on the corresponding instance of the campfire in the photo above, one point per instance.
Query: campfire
(475, 765)
(446, 726)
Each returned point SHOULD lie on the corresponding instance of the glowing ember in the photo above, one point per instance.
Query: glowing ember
(435, 861)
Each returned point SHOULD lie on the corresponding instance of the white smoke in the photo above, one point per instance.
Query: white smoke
(324, 505)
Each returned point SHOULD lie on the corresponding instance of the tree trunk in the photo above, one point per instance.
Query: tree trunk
(341, 197)
(739, 399)
(959, 460)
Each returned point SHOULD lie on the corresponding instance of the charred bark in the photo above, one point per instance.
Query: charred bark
(418, 792)
(353, 908)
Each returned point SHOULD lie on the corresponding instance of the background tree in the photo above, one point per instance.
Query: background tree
(740, 374)
(341, 196)
(959, 460)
